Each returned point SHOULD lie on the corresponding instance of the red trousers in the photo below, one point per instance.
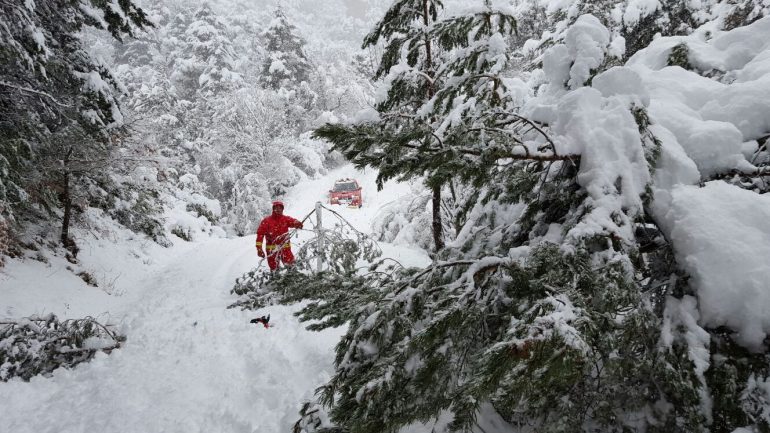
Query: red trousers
(283, 255)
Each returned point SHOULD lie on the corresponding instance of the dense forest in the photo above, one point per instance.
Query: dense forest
(187, 106)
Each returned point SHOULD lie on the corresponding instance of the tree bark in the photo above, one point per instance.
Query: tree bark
(438, 228)
(66, 199)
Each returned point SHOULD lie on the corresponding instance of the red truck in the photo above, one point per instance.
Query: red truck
(346, 191)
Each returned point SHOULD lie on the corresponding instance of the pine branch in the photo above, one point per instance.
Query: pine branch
(756, 173)
(37, 92)
(526, 156)
(538, 129)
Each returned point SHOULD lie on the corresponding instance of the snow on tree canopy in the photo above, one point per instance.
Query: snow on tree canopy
(719, 232)
(703, 124)
(587, 41)
(613, 168)
(597, 124)
(731, 276)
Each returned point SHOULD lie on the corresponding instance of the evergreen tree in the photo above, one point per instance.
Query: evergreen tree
(203, 64)
(409, 52)
(198, 107)
(744, 12)
(286, 64)
(56, 102)
(431, 70)
(557, 307)
(289, 74)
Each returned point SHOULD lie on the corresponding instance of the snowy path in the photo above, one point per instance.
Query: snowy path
(189, 364)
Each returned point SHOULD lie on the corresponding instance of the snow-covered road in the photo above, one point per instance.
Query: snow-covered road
(189, 364)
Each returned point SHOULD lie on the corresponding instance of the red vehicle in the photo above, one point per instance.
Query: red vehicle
(346, 191)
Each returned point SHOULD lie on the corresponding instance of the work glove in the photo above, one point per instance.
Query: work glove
(260, 252)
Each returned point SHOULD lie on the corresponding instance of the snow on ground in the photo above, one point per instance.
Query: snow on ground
(189, 364)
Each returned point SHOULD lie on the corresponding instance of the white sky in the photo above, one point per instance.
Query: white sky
(356, 8)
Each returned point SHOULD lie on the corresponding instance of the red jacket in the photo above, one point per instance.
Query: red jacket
(274, 230)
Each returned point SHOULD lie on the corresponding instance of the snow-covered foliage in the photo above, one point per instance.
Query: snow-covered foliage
(39, 345)
(58, 105)
(169, 130)
(595, 176)
(201, 102)
(286, 64)
(632, 24)
(436, 75)
(194, 100)
(406, 220)
(588, 288)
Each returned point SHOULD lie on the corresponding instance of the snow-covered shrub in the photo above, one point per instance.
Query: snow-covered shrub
(306, 153)
(202, 210)
(142, 213)
(182, 233)
(280, 174)
(88, 278)
(39, 345)
(191, 212)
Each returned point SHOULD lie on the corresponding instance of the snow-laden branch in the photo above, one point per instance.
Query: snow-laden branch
(756, 172)
(524, 155)
(37, 92)
(427, 77)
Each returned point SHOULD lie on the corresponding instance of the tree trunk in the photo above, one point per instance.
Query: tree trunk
(438, 227)
(66, 200)
(438, 232)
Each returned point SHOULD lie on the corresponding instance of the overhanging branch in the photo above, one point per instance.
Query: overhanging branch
(37, 92)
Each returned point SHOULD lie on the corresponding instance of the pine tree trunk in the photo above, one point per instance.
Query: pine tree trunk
(438, 227)
(438, 235)
(66, 200)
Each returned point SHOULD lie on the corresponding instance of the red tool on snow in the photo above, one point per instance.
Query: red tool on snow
(265, 320)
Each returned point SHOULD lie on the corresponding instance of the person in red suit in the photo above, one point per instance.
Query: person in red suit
(274, 229)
